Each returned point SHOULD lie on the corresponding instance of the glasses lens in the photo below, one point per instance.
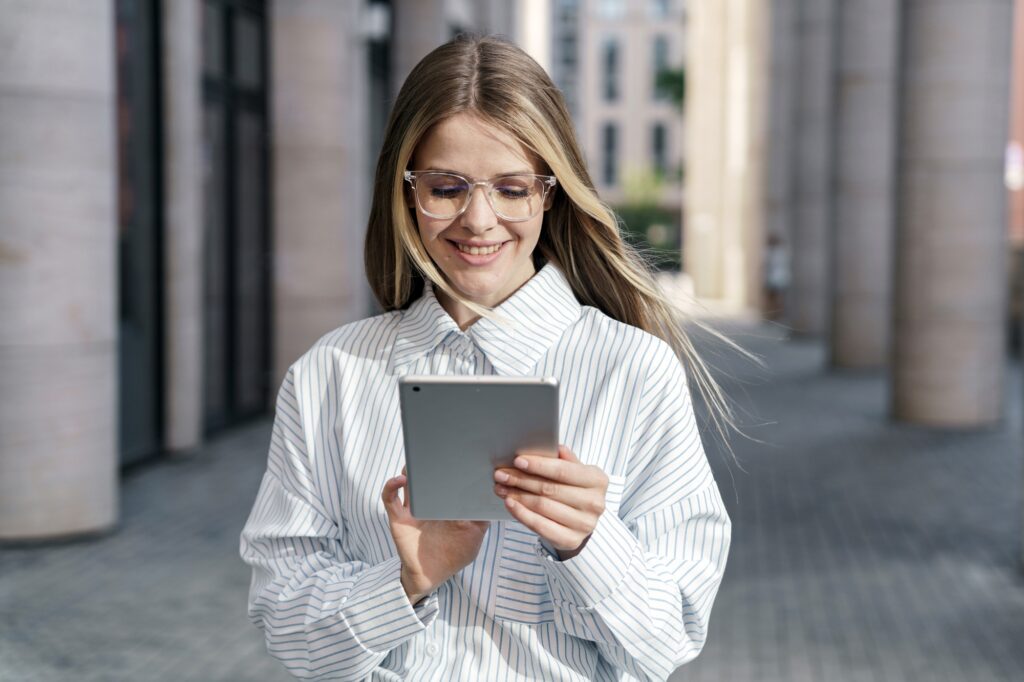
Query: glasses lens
(513, 197)
(517, 197)
(440, 194)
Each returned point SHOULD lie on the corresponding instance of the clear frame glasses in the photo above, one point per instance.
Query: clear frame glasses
(446, 196)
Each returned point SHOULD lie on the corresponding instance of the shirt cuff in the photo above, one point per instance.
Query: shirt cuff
(378, 611)
(597, 571)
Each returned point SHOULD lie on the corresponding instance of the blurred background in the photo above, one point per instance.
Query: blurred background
(836, 184)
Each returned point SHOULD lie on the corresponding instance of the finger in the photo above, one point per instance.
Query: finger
(559, 536)
(573, 496)
(390, 495)
(562, 471)
(405, 489)
(565, 453)
(554, 510)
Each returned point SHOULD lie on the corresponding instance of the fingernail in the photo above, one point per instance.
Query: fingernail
(501, 476)
(522, 463)
(501, 490)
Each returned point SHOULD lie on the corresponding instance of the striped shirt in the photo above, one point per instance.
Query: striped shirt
(634, 604)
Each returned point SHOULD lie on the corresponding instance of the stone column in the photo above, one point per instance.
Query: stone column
(420, 26)
(533, 30)
(865, 168)
(756, 55)
(726, 109)
(948, 357)
(704, 155)
(58, 289)
(320, 180)
(781, 136)
(809, 291)
(181, 54)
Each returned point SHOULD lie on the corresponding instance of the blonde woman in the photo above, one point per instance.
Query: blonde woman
(492, 254)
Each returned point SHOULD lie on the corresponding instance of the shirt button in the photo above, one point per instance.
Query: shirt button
(433, 649)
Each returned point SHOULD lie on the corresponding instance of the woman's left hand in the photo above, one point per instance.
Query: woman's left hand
(559, 499)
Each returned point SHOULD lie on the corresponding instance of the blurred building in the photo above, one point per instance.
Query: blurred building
(613, 59)
(183, 197)
(869, 139)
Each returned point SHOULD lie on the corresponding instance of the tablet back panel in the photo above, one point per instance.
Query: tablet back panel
(458, 429)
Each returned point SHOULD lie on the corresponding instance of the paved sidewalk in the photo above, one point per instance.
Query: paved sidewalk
(863, 550)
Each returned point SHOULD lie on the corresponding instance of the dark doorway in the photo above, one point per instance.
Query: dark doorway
(237, 237)
(139, 229)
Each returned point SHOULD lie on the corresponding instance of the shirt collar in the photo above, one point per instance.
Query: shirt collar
(538, 313)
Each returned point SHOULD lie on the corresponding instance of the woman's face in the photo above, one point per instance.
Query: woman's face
(466, 145)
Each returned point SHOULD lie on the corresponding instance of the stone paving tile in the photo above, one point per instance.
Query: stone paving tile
(161, 598)
(863, 550)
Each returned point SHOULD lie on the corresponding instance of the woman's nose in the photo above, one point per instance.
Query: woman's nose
(479, 215)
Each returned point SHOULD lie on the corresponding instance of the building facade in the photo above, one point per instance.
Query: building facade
(611, 59)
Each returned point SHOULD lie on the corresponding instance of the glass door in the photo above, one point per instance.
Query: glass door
(139, 228)
(236, 191)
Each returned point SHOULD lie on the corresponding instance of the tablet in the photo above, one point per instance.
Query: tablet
(459, 428)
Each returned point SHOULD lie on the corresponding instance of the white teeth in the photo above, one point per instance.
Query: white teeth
(476, 251)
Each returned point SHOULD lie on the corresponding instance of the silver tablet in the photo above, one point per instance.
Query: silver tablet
(459, 428)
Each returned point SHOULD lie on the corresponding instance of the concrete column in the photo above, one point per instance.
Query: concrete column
(533, 30)
(320, 182)
(865, 168)
(1016, 184)
(181, 54)
(807, 308)
(420, 26)
(704, 155)
(725, 150)
(781, 136)
(951, 241)
(746, 125)
(58, 246)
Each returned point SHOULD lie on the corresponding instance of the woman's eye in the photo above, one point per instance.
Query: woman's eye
(447, 192)
(514, 192)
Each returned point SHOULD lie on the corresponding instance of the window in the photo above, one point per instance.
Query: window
(566, 10)
(567, 50)
(609, 143)
(659, 149)
(611, 9)
(659, 9)
(610, 63)
(659, 63)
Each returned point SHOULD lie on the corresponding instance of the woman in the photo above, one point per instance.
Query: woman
(492, 254)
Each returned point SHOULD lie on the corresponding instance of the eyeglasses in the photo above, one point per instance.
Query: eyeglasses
(446, 196)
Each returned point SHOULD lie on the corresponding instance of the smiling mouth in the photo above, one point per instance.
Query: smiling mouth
(477, 251)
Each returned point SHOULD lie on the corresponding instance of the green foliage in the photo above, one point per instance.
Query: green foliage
(655, 231)
(672, 84)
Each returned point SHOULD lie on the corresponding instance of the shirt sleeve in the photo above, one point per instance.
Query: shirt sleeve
(322, 612)
(643, 586)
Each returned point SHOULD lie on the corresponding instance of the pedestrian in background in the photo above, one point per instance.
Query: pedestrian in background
(776, 276)
(491, 253)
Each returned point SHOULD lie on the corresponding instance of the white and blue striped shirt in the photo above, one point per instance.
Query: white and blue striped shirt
(634, 604)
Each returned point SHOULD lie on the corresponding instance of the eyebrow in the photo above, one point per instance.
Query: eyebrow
(467, 175)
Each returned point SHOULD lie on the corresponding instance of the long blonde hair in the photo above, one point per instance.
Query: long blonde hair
(498, 82)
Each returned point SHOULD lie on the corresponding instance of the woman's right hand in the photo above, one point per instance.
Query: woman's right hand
(431, 551)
